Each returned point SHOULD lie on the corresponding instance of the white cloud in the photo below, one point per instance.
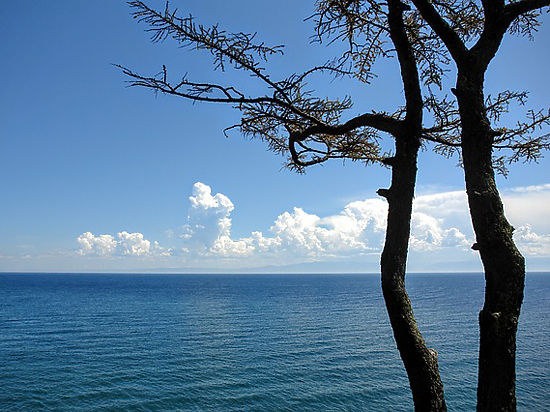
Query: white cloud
(226, 247)
(528, 208)
(203, 200)
(357, 230)
(531, 243)
(442, 204)
(441, 221)
(102, 245)
(429, 234)
(440, 226)
(133, 244)
(126, 244)
(208, 228)
(534, 188)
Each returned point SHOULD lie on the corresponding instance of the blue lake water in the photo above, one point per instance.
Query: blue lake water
(245, 342)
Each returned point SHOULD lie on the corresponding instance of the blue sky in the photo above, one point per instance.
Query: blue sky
(100, 177)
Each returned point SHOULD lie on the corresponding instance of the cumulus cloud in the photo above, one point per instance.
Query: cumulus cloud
(125, 244)
(440, 223)
(429, 233)
(102, 245)
(358, 229)
(133, 244)
(208, 228)
(531, 243)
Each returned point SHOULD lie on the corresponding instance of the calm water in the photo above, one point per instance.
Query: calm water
(244, 342)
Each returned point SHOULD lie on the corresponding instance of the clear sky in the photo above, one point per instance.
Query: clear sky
(96, 176)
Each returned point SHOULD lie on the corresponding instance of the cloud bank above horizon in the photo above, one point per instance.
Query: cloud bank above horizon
(440, 223)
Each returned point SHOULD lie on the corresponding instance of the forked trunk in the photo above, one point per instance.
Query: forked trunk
(419, 360)
(503, 264)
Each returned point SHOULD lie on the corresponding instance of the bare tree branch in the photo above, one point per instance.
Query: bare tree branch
(451, 39)
(516, 9)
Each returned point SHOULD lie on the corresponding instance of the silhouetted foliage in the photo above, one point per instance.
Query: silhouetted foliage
(428, 39)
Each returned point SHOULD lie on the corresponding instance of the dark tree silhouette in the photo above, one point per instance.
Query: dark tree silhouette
(472, 49)
(309, 130)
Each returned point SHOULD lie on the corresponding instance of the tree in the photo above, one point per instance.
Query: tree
(503, 264)
(309, 129)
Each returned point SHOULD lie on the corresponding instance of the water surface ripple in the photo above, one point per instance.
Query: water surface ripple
(244, 342)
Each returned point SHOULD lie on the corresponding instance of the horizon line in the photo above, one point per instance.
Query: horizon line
(249, 273)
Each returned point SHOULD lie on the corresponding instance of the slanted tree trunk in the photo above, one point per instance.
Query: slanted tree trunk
(419, 360)
(503, 264)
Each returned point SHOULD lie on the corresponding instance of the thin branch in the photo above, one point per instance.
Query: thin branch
(451, 39)
(516, 9)
(236, 47)
(201, 88)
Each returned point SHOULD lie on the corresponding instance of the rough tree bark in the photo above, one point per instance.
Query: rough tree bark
(503, 264)
(419, 360)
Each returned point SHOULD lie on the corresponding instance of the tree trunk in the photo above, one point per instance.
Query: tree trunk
(420, 361)
(503, 264)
